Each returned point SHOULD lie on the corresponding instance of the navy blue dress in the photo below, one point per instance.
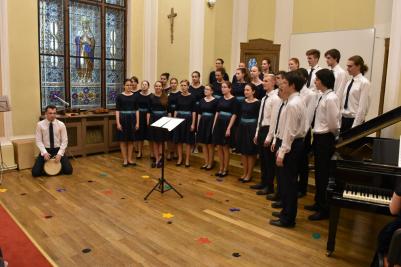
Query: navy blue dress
(247, 128)
(172, 101)
(238, 91)
(127, 106)
(217, 90)
(198, 93)
(156, 111)
(143, 102)
(226, 109)
(184, 108)
(207, 111)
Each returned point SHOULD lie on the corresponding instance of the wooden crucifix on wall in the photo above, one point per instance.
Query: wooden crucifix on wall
(171, 17)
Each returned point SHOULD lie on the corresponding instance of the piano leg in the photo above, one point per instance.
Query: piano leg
(331, 241)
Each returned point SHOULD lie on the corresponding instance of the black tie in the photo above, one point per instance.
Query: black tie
(309, 77)
(51, 135)
(278, 117)
(263, 109)
(346, 97)
(314, 114)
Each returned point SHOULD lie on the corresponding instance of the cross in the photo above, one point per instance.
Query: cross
(171, 17)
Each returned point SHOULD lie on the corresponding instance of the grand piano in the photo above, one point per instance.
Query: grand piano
(364, 171)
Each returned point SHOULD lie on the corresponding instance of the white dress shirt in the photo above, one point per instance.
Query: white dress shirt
(268, 101)
(310, 99)
(312, 85)
(293, 125)
(341, 80)
(358, 99)
(43, 137)
(273, 134)
(327, 118)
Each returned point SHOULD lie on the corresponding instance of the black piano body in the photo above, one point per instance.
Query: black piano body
(359, 178)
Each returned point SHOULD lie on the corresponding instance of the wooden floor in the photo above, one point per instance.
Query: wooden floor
(102, 208)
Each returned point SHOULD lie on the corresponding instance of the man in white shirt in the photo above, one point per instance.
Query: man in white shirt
(326, 125)
(355, 99)
(290, 150)
(267, 159)
(52, 140)
(333, 59)
(312, 56)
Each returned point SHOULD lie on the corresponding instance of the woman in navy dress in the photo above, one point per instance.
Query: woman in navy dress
(219, 81)
(134, 85)
(164, 80)
(206, 113)
(158, 109)
(173, 94)
(260, 93)
(242, 79)
(227, 110)
(127, 119)
(196, 89)
(249, 113)
(143, 101)
(185, 132)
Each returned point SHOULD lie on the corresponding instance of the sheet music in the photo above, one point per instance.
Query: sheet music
(174, 122)
(160, 122)
(167, 123)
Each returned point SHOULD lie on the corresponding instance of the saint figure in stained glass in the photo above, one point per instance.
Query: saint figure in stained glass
(85, 46)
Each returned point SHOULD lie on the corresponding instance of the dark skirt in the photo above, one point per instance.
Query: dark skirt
(204, 134)
(156, 134)
(245, 134)
(142, 133)
(183, 134)
(219, 131)
(127, 121)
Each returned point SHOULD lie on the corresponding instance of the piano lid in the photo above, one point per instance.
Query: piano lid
(380, 122)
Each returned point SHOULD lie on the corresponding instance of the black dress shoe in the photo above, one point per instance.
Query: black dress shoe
(187, 165)
(218, 174)
(317, 216)
(209, 168)
(279, 223)
(125, 165)
(276, 214)
(159, 164)
(153, 165)
(203, 167)
(240, 179)
(224, 174)
(257, 186)
(246, 180)
(311, 207)
(277, 205)
(301, 194)
(178, 164)
(273, 197)
(133, 164)
(262, 192)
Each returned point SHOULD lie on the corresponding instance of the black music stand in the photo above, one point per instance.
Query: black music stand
(165, 125)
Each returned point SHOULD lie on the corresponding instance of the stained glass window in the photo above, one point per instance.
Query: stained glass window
(87, 67)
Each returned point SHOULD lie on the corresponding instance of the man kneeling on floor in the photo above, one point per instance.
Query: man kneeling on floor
(52, 140)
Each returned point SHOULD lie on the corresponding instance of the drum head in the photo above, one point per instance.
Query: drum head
(52, 167)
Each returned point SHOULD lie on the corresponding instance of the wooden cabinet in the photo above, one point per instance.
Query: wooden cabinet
(89, 134)
(255, 50)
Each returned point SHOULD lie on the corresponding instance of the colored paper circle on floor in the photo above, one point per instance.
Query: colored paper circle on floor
(123, 198)
(209, 194)
(3, 190)
(103, 174)
(48, 216)
(107, 192)
(204, 240)
(86, 250)
(23, 194)
(315, 235)
(169, 222)
(234, 209)
(90, 181)
(60, 190)
(145, 176)
(167, 215)
(167, 187)
(236, 254)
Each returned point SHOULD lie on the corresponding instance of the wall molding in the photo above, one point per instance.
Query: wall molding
(150, 40)
(5, 65)
(197, 35)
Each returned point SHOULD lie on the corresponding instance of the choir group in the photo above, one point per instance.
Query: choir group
(281, 118)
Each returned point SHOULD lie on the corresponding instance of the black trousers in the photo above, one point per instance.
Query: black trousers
(304, 164)
(267, 160)
(288, 175)
(37, 169)
(323, 147)
(346, 124)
